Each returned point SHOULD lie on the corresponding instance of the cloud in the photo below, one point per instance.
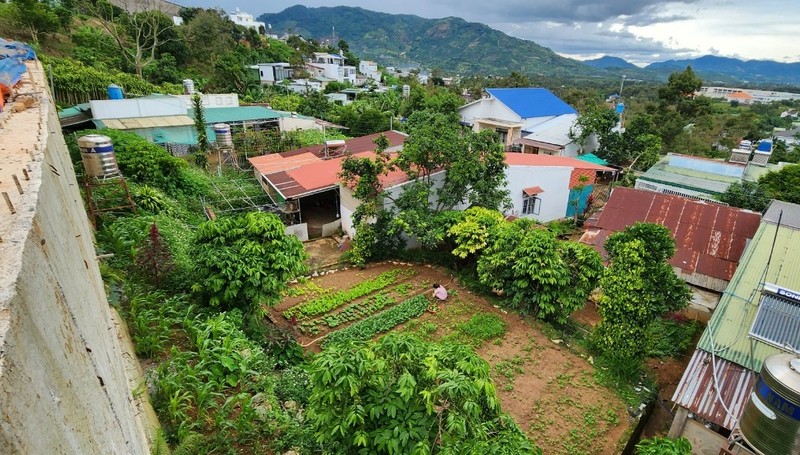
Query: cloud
(563, 11)
(590, 42)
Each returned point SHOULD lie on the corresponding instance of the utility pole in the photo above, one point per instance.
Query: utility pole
(621, 85)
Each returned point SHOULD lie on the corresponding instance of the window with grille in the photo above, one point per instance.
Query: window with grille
(531, 205)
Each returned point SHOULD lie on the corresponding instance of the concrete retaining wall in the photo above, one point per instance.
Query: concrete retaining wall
(63, 384)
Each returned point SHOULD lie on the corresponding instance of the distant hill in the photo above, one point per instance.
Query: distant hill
(608, 61)
(451, 44)
(458, 46)
(724, 68)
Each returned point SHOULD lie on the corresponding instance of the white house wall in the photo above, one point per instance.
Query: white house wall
(158, 106)
(488, 108)
(348, 203)
(297, 123)
(554, 180)
(132, 108)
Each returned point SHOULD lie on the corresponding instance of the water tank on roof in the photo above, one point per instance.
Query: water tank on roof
(188, 87)
(115, 92)
(765, 146)
(223, 133)
(406, 90)
(770, 422)
(97, 154)
(745, 144)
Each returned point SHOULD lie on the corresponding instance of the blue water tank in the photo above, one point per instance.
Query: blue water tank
(115, 92)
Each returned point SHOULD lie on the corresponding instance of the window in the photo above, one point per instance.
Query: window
(502, 133)
(531, 205)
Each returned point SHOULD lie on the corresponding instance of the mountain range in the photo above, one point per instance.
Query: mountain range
(457, 46)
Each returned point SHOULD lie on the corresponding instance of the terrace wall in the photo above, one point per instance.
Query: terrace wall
(64, 388)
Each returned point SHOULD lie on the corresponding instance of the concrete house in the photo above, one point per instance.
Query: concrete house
(274, 73)
(757, 316)
(247, 20)
(370, 69)
(528, 120)
(704, 178)
(331, 66)
(543, 187)
(305, 184)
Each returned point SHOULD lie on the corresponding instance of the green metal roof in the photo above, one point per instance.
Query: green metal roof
(727, 331)
(239, 114)
(74, 110)
(753, 172)
(594, 159)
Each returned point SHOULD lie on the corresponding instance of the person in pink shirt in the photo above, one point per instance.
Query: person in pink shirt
(439, 292)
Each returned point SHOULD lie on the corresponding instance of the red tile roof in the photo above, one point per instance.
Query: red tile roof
(529, 159)
(709, 238)
(304, 171)
(533, 191)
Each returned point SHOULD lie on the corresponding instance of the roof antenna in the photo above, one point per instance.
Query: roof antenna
(772, 248)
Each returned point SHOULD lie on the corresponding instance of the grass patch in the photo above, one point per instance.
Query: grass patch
(481, 327)
(670, 336)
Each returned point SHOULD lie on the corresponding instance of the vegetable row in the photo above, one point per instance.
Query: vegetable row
(381, 322)
(328, 302)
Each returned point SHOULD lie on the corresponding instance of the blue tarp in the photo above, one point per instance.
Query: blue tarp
(15, 49)
(11, 71)
(12, 64)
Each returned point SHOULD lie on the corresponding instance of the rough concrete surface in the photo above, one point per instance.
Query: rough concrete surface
(63, 383)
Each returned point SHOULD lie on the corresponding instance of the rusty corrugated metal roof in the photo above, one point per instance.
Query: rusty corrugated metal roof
(697, 391)
(709, 238)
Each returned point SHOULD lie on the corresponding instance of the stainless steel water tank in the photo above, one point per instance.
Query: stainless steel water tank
(97, 154)
(770, 422)
(223, 133)
(188, 87)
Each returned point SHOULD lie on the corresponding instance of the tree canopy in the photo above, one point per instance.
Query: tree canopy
(638, 287)
(403, 395)
(245, 261)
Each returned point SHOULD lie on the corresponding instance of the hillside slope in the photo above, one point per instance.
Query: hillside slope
(451, 44)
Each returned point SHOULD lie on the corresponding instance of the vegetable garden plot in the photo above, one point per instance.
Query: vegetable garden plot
(325, 305)
(551, 393)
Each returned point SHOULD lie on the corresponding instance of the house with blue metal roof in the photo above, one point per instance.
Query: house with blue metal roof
(528, 120)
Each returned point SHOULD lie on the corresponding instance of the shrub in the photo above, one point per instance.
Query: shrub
(294, 384)
(245, 261)
(481, 327)
(664, 446)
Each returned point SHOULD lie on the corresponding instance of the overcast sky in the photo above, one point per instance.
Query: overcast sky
(640, 31)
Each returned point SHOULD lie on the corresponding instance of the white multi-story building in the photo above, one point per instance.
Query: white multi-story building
(369, 69)
(331, 66)
(347, 73)
(272, 73)
(753, 96)
(329, 63)
(246, 20)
